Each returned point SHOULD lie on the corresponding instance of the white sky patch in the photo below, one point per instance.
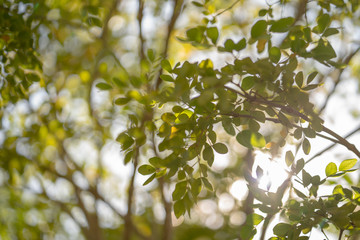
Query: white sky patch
(274, 171)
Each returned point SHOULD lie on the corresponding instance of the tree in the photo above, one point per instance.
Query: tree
(81, 91)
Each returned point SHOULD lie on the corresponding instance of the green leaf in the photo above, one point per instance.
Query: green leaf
(180, 190)
(151, 54)
(149, 180)
(311, 77)
(125, 140)
(254, 219)
(244, 138)
(299, 79)
(197, 4)
(207, 184)
(282, 229)
(299, 165)
(181, 175)
(33, 77)
(104, 86)
(228, 126)
(274, 54)
(212, 136)
(179, 208)
(323, 51)
(258, 29)
(247, 232)
(356, 189)
(156, 162)
(166, 78)
(330, 31)
(122, 101)
(208, 155)
(310, 133)
(257, 140)
(146, 169)
(240, 45)
(330, 169)
(300, 194)
(347, 164)
(306, 178)
(194, 34)
(196, 187)
(306, 146)
(161, 173)
(168, 118)
(282, 25)
(289, 158)
(323, 22)
(166, 65)
(128, 157)
(298, 133)
(247, 83)
(213, 34)
(220, 148)
(310, 87)
(229, 45)
(263, 12)
(259, 116)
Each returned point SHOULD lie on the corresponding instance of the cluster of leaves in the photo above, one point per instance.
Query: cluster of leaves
(20, 61)
(242, 96)
(337, 209)
(175, 110)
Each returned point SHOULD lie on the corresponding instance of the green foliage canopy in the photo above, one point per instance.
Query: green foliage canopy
(177, 116)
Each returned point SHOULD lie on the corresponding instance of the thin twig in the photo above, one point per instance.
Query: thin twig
(167, 226)
(128, 226)
(178, 5)
(338, 80)
(141, 37)
(332, 145)
(228, 8)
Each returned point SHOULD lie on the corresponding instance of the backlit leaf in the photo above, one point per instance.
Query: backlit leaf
(179, 208)
(347, 164)
(289, 158)
(254, 219)
(274, 54)
(213, 34)
(330, 169)
(166, 65)
(306, 146)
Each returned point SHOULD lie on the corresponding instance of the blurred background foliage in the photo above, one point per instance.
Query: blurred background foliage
(65, 69)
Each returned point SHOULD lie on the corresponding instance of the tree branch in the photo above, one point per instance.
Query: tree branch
(176, 13)
(167, 227)
(228, 8)
(332, 145)
(140, 18)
